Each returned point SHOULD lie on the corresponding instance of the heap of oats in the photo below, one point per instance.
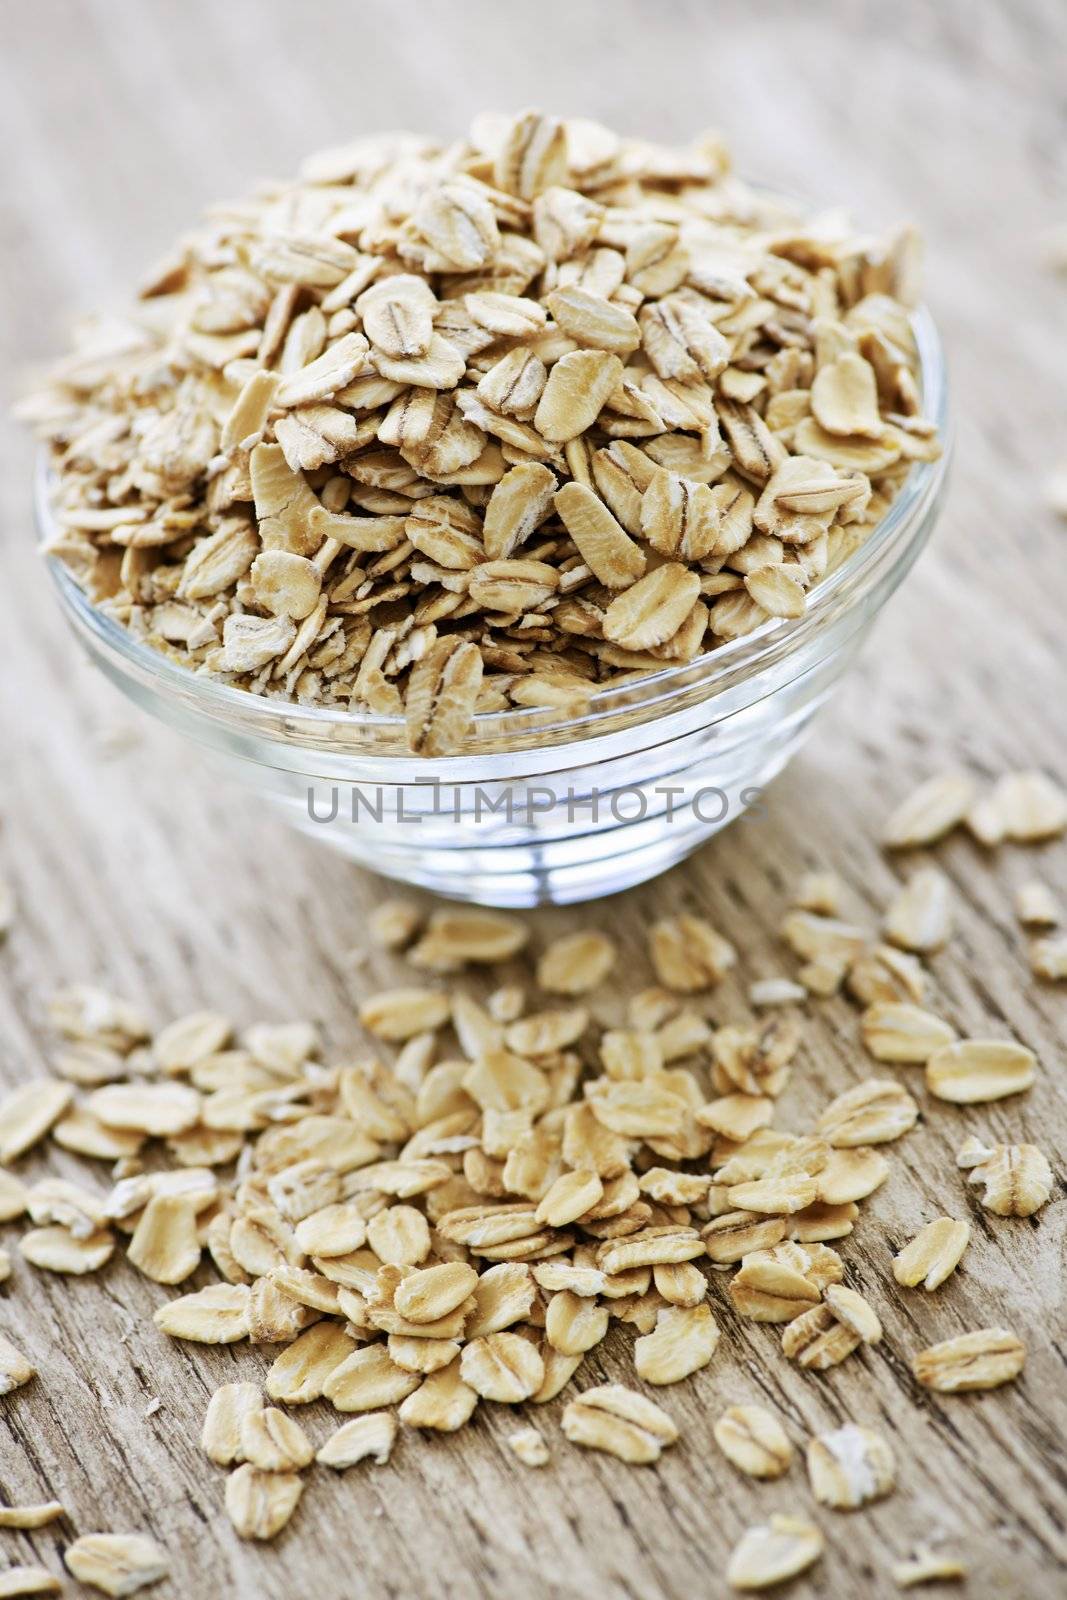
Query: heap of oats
(462, 1224)
(437, 430)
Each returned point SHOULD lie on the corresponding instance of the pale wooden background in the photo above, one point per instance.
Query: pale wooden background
(118, 120)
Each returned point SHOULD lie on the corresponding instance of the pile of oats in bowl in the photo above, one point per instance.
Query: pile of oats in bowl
(435, 430)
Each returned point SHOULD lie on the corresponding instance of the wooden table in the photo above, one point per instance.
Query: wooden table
(119, 120)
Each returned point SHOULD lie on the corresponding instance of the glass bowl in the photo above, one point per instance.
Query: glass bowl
(538, 808)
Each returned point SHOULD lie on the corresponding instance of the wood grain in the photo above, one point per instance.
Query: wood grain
(119, 121)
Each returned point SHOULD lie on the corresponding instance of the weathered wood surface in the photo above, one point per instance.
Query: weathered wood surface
(119, 120)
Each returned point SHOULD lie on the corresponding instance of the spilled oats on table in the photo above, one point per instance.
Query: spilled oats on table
(457, 1217)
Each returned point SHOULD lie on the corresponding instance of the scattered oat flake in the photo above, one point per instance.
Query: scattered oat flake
(22, 1580)
(933, 1254)
(898, 1031)
(754, 1440)
(620, 1422)
(875, 1111)
(850, 1467)
(31, 1516)
(394, 923)
(853, 1311)
(688, 954)
(399, 1014)
(928, 1566)
(823, 939)
(930, 812)
(443, 1403)
(274, 1442)
(1015, 1179)
(502, 1367)
(819, 892)
(1035, 905)
(160, 1110)
(1048, 958)
(116, 1563)
(454, 938)
(218, 1314)
(27, 1113)
(981, 1360)
(15, 1370)
(1032, 807)
(774, 1551)
(682, 1342)
(816, 1340)
(56, 1249)
(259, 1504)
(920, 918)
(575, 963)
(972, 1071)
(369, 1436)
(13, 1196)
(767, 992)
(984, 820)
(183, 1043)
(529, 1447)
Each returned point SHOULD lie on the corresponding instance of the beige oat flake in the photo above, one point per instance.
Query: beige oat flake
(576, 962)
(1035, 905)
(876, 1111)
(973, 1071)
(933, 1254)
(930, 812)
(116, 1563)
(850, 1467)
(370, 1436)
(38, 1516)
(15, 1369)
(688, 954)
(259, 1504)
(620, 1422)
(26, 1114)
(1031, 806)
(502, 1366)
(774, 1551)
(754, 1440)
(21, 1580)
(444, 1402)
(1015, 1179)
(228, 1408)
(928, 1566)
(1048, 958)
(981, 1360)
(57, 1249)
(902, 1032)
(682, 1342)
(920, 918)
(274, 1442)
(215, 1315)
(528, 1446)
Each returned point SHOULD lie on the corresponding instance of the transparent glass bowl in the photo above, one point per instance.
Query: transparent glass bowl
(537, 808)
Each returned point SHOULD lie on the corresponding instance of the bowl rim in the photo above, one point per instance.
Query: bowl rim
(644, 698)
